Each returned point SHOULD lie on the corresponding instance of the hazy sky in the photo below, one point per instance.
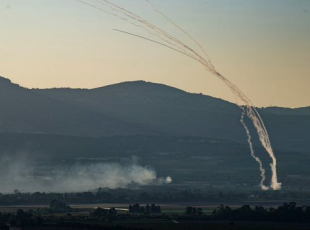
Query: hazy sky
(263, 46)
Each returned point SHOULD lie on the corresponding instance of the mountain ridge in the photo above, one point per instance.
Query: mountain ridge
(139, 107)
(270, 108)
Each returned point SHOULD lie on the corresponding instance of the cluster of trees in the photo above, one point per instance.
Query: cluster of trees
(58, 206)
(30, 219)
(102, 214)
(146, 195)
(193, 211)
(20, 219)
(286, 212)
(150, 209)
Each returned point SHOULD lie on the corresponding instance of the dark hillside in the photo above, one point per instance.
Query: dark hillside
(171, 111)
(133, 108)
(25, 111)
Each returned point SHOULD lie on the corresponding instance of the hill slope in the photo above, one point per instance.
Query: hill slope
(25, 111)
(134, 108)
(158, 107)
(168, 110)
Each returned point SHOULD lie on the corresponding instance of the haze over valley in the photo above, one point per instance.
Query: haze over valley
(144, 127)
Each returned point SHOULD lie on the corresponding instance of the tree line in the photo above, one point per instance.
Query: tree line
(150, 195)
(288, 212)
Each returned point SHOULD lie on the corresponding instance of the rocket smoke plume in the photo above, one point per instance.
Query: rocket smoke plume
(261, 169)
(175, 44)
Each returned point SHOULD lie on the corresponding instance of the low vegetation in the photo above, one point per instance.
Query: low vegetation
(110, 218)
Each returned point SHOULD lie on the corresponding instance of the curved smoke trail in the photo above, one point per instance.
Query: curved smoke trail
(261, 169)
(183, 48)
(182, 30)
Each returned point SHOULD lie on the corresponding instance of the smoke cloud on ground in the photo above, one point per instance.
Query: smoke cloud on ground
(18, 173)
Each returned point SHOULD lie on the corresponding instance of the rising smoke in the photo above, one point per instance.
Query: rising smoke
(19, 173)
(177, 45)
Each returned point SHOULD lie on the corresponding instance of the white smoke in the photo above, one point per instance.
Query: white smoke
(185, 49)
(261, 169)
(18, 173)
(168, 180)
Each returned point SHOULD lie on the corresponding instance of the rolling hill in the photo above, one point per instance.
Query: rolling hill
(192, 137)
(141, 108)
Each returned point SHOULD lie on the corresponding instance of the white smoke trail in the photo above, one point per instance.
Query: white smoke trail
(186, 50)
(178, 27)
(258, 123)
(242, 116)
(160, 32)
(251, 111)
(262, 170)
(135, 18)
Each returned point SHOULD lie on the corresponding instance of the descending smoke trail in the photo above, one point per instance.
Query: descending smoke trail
(178, 27)
(135, 18)
(251, 111)
(262, 170)
(156, 43)
(160, 32)
(258, 123)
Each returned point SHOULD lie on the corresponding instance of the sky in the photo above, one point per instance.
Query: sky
(262, 46)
